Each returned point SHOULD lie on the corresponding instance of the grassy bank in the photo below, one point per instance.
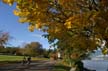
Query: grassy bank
(60, 66)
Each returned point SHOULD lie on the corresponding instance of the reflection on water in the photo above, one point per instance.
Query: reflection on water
(98, 65)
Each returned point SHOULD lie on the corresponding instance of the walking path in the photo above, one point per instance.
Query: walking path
(34, 66)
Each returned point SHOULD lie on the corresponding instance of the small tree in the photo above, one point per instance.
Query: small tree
(4, 37)
(33, 49)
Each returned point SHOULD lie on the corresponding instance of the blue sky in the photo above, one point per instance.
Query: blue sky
(9, 23)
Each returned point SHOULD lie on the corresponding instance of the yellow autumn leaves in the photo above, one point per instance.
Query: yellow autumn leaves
(39, 25)
(105, 51)
(24, 14)
(68, 25)
(31, 28)
(19, 13)
(10, 2)
(35, 26)
(71, 20)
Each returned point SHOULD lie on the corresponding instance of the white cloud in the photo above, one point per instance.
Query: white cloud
(37, 36)
(18, 41)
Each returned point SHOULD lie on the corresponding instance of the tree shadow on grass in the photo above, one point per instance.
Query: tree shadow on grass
(5, 62)
(61, 68)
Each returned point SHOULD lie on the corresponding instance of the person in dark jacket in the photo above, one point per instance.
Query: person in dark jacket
(24, 60)
(29, 60)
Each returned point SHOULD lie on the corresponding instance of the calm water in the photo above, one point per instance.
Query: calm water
(98, 65)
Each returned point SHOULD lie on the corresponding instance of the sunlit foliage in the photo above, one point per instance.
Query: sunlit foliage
(33, 49)
(76, 24)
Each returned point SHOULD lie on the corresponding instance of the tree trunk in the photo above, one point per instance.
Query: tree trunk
(78, 66)
(73, 69)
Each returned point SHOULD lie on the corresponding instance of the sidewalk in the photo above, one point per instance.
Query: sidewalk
(34, 66)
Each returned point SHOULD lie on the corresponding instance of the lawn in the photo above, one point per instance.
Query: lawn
(60, 66)
(10, 58)
(16, 58)
(7, 59)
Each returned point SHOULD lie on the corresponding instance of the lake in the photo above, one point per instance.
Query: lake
(98, 65)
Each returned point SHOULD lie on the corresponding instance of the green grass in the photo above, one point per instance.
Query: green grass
(16, 58)
(61, 67)
(10, 58)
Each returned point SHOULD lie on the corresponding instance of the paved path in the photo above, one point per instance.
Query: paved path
(34, 66)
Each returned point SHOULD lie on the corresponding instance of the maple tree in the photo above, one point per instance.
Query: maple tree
(80, 26)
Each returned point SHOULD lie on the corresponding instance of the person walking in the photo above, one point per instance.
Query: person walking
(24, 60)
(29, 60)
